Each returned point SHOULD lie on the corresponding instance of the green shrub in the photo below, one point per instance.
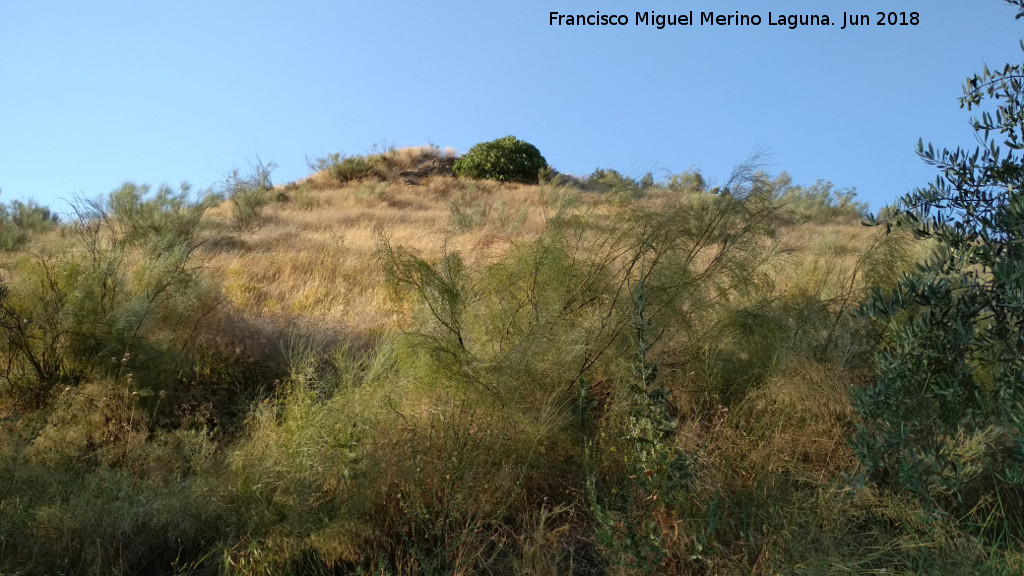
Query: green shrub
(350, 168)
(821, 201)
(506, 159)
(633, 517)
(610, 180)
(569, 284)
(343, 168)
(291, 475)
(943, 419)
(19, 221)
(687, 181)
(249, 193)
(124, 282)
(543, 337)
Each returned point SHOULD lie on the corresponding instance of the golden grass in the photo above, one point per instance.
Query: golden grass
(321, 264)
(318, 261)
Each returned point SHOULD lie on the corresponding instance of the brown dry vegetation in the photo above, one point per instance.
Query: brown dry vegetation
(318, 260)
(314, 257)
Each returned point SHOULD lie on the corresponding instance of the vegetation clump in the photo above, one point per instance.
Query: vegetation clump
(19, 221)
(506, 159)
(389, 165)
(127, 268)
(821, 202)
(611, 180)
(249, 193)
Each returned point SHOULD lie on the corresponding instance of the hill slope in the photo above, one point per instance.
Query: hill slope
(408, 373)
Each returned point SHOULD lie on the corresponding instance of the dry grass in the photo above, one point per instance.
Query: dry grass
(321, 264)
(319, 268)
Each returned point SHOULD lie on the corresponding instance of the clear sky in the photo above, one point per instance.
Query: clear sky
(162, 91)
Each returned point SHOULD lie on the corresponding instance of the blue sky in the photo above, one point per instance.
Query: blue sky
(96, 93)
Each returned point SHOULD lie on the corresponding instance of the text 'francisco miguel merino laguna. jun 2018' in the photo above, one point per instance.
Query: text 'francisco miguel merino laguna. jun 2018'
(786, 21)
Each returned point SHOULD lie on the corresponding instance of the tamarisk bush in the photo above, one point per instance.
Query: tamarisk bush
(128, 268)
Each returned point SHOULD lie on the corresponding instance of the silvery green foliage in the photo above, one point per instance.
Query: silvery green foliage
(944, 417)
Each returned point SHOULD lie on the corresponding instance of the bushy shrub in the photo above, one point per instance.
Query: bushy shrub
(544, 336)
(821, 201)
(21, 220)
(687, 181)
(249, 193)
(943, 419)
(128, 271)
(506, 159)
(387, 165)
(348, 168)
(610, 180)
(632, 521)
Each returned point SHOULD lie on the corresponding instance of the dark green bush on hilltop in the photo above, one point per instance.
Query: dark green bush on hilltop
(506, 159)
